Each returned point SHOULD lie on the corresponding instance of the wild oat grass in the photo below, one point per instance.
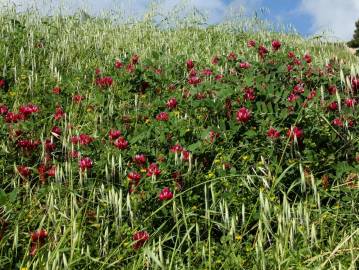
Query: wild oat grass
(240, 200)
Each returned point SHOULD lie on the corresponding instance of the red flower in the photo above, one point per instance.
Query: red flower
(14, 117)
(77, 98)
(297, 62)
(192, 73)
(24, 171)
(162, 116)
(39, 235)
(134, 59)
(292, 97)
(59, 113)
(104, 82)
(118, 64)
(2, 83)
(37, 239)
(176, 148)
(165, 194)
(337, 122)
(56, 90)
(190, 64)
(29, 109)
(42, 173)
(355, 83)
(298, 89)
(244, 65)
(134, 177)
(251, 43)
(121, 143)
(83, 139)
(52, 171)
(114, 134)
(3, 109)
(312, 94)
(28, 144)
(140, 239)
(56, 131)
(85, 163)
(291, 54)
(307, 58)
(194, 80)
(333, 106)
(185, 155)
(273, 133)
(295, 132)
(249, 94)
(332, 89)
(276, 45)
(350, 102)
(219, 77)
(262, 51)
(171, 103)
(49, 146)
(130, 68)
(74, 154)
(243, 115)
(153, 170)
(139, 159)
(207, 72)
(232, 56)
(215, 60)
(213, 136)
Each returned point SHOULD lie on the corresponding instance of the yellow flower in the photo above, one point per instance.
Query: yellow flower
(210, 174)
(291, 161)
(143, 170)
(217, 161)
(148, 121)
(238, 237)
(12, 93)
(245, 157)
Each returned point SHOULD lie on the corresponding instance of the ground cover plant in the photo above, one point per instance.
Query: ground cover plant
(134, 146)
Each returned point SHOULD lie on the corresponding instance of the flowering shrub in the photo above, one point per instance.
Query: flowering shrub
(229, 153)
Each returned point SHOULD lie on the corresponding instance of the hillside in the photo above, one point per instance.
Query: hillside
(138, 146)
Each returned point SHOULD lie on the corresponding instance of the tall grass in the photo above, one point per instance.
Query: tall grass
(91, 221)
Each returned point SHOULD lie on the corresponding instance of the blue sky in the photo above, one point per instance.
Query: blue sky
(309, 17)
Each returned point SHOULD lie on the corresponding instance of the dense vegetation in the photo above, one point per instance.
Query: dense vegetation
(138, 146)
(354, 43)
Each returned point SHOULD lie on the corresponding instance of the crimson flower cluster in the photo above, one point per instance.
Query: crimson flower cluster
(38, 239)
(165, 194)
(104, 82)
(140, 238)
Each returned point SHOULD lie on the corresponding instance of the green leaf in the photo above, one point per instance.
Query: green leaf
(250, 133)
(12, 196)
(3, 197)
(194, 146)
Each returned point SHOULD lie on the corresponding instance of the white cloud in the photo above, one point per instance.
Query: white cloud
(337, 16)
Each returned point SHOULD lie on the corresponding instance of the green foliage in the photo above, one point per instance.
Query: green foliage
(354, 43)
(241, 198)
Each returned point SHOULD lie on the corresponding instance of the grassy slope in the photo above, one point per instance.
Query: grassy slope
(91, 221)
